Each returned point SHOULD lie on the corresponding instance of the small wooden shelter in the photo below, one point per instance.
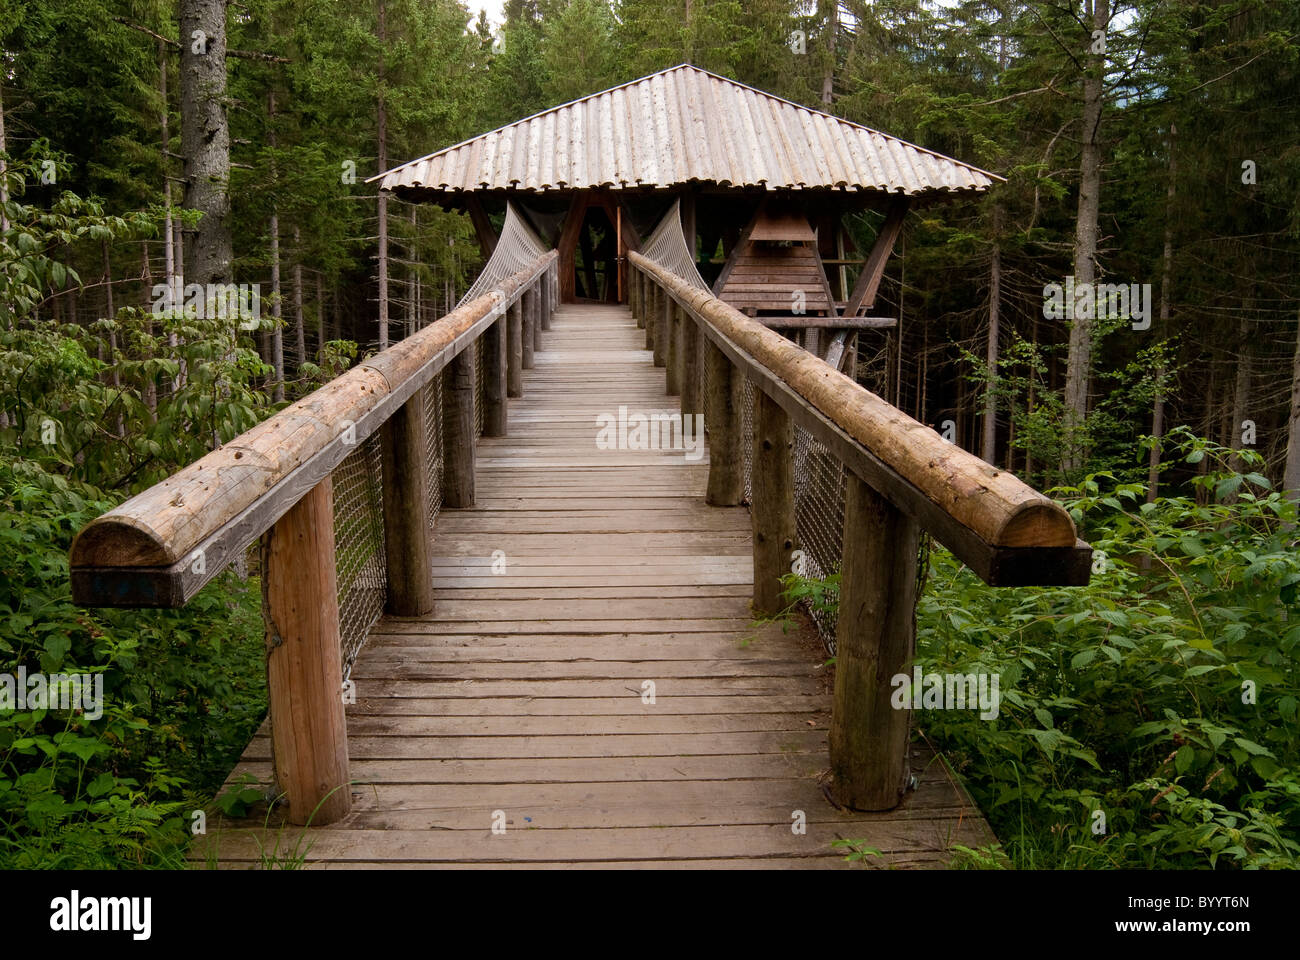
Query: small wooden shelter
(764, 185)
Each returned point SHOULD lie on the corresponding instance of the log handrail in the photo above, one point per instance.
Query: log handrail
(999, 526)
(160, 547)
(900, 477)
(275, 481)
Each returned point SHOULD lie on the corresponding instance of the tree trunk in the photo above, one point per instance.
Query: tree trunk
(1241, 390)
(1166, 281)
(277, 333)
(989, 444)
(1079, 362)
(4, 184)
(828, 74)
(1291, 476)
(299, 327)
(205, 137)
(381, 122)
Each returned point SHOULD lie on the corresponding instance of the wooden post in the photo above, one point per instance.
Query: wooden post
(692, 394)
(304, 665)
(637, 298)
(772, 511)
(515, 349)
(538, 310)
(726, 458)
(652, 295)
(875, 637)
(406, 510)
(544, 298)
(493, 359)
(458, 430)
(673, 347)
(529, 301)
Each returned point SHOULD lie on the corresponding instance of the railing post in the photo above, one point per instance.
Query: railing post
(515, 349)
(772, 511)
(656, 326)
(875, 637)
(543, 286)
(529, 301)
(638, 289)
(304, 663)
(539, 312)
(493, 359)
(692, 395)
(406, 510)
(458, 430)
(673, 334)
(723, 415)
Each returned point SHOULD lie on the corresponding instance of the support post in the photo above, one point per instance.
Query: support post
(304, 664)
(722, 410)
(692, 394)
(406, 510)
(493, 359)
(529, 301)
(875, 638)
(673, 334)
(458, 430)
(544, 299)
(515, 349)
(772, 511)
(637, 298)
(539, 312)
(656, 333)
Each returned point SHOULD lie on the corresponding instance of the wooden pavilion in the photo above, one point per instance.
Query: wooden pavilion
(764, 184)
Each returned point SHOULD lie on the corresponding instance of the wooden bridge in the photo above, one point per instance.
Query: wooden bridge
(570, 672)
(512, 599)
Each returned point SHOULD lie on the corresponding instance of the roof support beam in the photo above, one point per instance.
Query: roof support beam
(873, 270)
(487, 238)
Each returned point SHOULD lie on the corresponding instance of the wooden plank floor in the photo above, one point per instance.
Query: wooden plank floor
(521, 696)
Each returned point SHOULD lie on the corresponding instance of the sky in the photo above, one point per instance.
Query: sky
(493, 7)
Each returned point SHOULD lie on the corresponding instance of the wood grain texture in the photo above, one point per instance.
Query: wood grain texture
(304, 666)
(996, 506)
(523, 691)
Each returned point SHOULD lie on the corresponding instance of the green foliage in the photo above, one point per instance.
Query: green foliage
(182, 690)
(1149, 719)
(1164, 694)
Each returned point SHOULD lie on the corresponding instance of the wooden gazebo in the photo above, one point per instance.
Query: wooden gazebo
(764, 186)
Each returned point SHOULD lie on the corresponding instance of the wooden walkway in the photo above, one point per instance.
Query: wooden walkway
(521, 698)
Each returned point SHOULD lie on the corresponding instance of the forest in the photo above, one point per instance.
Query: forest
(1149, 148)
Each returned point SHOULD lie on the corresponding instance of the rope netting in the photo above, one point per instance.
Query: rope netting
(667, 247)
(818, 474)
(360, 561)
(517, 247)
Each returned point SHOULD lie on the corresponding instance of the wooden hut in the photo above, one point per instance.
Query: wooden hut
(765, 186)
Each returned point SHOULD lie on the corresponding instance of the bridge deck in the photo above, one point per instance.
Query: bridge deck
(522, 693)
